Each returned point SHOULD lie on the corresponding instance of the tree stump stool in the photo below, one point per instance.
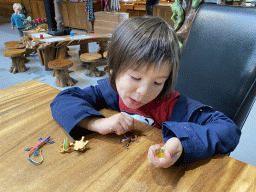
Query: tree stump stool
(91, 58)
(9, 45)
(18, 64)
(60, 67)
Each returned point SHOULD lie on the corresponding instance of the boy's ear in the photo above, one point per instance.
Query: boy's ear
(111, 71)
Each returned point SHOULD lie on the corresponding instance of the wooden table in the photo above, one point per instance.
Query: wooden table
(106, 165)
(49, 51)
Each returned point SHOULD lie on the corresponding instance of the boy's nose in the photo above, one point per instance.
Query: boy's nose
(143, 89)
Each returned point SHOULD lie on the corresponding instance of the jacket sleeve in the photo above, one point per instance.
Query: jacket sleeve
(74, 104)
(207, 132)
(12, 21)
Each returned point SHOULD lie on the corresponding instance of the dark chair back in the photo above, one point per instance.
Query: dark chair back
(218, 61)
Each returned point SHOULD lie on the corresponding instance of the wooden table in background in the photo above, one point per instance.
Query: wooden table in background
(49, 51)
(137, 7)
(107, 165)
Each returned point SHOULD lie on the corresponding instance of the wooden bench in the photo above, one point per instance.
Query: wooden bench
(60, 67)
(18, 64)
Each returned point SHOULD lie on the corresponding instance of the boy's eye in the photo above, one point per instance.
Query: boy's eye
(136, 79)
(157, 83)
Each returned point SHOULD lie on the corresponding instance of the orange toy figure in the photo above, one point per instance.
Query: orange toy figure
(34, 149)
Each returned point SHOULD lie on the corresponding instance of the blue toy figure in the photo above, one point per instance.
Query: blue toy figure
(16, 19)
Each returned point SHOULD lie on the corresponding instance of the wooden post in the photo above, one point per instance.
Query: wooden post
(63, 79)
(61, 50)
(84, 48)
(102, 47)
(46, 53)
(18, 65)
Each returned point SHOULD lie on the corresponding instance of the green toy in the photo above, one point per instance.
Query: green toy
(66, 146)
(177, 14)
(196, 3)
(160, 153)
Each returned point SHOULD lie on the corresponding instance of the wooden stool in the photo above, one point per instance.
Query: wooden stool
(60, 67)
(91, 58)
(9, 45)
(18, 64)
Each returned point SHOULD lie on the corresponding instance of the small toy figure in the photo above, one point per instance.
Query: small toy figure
(70, 147)
(67, 147)
(80, 145)
(130, 137)
(160, 153)
(178, 14)
(39, 23)
(41, 26)
(36, 147)
(16, 19)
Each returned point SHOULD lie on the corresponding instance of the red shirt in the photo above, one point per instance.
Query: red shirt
(155, 112)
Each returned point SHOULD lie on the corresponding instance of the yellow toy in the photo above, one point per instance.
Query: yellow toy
(160, 153)
(42, 26)
(67, 147)
(80, 145)
(70, 147)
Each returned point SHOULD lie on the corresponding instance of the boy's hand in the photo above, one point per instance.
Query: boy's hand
(119, 123)
(172, 149)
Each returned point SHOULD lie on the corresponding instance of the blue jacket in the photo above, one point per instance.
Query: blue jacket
(16, 20)
(201, 130)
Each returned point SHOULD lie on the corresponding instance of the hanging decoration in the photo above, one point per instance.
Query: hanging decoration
(107, 2)
(89, 9)
(114, 5)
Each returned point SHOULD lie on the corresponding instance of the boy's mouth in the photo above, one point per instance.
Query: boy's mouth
(134, 102)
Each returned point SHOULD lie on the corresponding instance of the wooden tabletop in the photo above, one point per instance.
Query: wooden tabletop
(106, 165)
(93, 37)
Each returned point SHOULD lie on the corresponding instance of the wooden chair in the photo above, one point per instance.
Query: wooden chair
(60, 67)
(17, 57)
(91, 58)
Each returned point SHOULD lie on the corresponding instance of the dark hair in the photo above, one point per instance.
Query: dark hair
(144, 41)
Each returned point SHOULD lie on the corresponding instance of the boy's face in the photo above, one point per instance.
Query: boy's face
(17, 10)
(137, 88)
